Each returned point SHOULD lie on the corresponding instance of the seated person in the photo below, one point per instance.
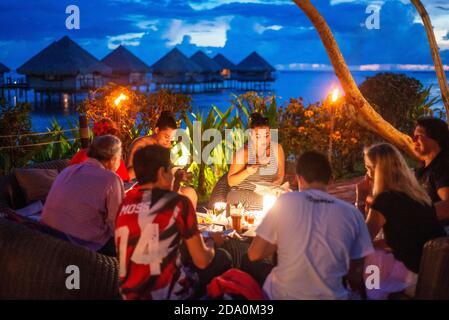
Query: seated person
(262, 160)
(403, 209)
(84, 199)
(103, 127)
(153, 228)
(318, 239)
(166, 127)
(431, 139)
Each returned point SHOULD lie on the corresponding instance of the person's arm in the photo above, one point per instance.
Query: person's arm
(363, 190)
(114, 198)
(281, 166)
(260, 249)
(239, 171)
(200, 253)
(375, 221)
(129, 160)
(264, 245)
(188, 226)
(355, 277)
(442, 207)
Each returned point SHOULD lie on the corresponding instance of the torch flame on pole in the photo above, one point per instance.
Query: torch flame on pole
(335, 95)
(120, 98)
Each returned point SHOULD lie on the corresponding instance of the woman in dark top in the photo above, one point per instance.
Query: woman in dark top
(401, 207)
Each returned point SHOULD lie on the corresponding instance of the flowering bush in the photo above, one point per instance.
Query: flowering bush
(304, 128)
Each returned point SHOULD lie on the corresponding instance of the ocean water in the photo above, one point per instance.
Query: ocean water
(312, 86)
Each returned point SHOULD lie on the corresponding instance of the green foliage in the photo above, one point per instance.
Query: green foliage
(206, 175)
(14, 122)
(251, 102)
(400, 99)
(58, 144)
(306, 128)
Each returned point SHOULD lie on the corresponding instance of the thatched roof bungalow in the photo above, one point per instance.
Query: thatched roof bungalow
(254, 68)
(175, 69)
(126, 67)
(3, 69)
(64, 66)
(210, 70)
(228, 69)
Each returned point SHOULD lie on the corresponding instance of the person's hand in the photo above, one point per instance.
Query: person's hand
(218, 238)
(252, 169)
(363, 188)
(182, 175)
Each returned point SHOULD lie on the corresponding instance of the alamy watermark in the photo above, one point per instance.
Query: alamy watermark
(214, 147)
(372, 22)
(72, 282)
(73, 21)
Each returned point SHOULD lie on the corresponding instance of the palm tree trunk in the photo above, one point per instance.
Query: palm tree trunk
(358, 108)
(442, 81)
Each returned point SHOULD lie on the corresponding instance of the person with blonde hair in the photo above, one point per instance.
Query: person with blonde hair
(402, 208)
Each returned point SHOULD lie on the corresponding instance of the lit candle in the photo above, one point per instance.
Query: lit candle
(220, 206)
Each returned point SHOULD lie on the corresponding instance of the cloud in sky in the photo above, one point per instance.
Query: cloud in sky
(277, 29)
(128, 39)
(204, 33)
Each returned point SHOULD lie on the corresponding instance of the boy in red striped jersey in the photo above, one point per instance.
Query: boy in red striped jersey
(162, 254)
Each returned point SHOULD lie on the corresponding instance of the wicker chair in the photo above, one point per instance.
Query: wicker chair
(433, 279)
(220, 191)
(34, 257)
(33, 266)
(11, 194)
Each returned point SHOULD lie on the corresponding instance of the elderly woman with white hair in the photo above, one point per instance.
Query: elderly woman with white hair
(84, 199)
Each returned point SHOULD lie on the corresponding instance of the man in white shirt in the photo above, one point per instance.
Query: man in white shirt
(318, 238)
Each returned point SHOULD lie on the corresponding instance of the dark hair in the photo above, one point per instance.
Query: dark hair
(257, 120)
(147, 162)
(104, 148)
(436, 129)
(314, 167)
(166, 120)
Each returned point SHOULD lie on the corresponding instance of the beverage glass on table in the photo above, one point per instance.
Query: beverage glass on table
(236, 216)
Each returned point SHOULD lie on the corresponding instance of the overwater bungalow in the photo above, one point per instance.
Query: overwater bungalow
(210, 71)
(255, 73)
(127, 69)
(228, 70)
(3, 69)
(63, 68)
(176, 72)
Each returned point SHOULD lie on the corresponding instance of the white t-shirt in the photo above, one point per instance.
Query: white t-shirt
(316, 235)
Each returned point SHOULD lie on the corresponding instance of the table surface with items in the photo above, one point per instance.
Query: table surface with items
(242, 221)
